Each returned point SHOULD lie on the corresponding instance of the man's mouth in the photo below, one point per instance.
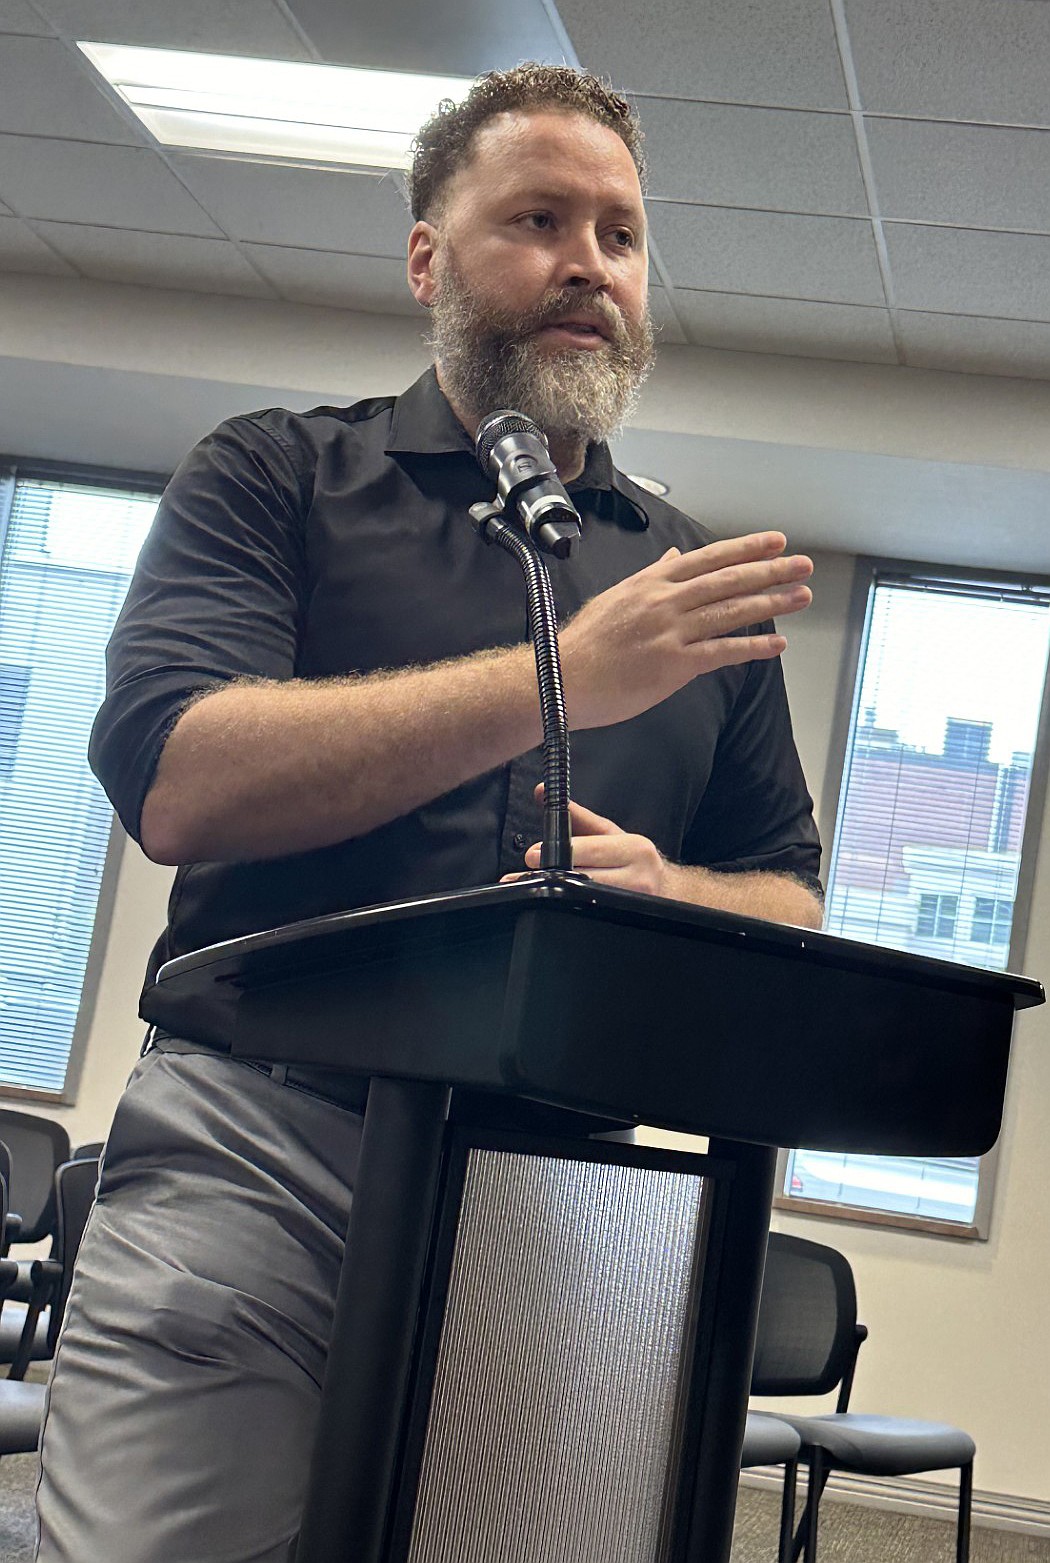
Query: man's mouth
(581, 332)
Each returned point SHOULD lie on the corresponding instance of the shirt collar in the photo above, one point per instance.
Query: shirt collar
(423, 424)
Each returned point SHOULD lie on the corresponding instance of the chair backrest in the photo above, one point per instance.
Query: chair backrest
(807, 1319)
(37, 1146)
(75, 1183)
(5, 1178)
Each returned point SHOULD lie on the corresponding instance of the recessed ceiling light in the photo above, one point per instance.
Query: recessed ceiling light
(274, 108)
(653, 485)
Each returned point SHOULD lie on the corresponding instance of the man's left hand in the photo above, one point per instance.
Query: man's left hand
(601, 849)
(606, 853)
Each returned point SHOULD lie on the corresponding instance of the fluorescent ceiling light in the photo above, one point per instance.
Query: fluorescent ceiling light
(274, 108)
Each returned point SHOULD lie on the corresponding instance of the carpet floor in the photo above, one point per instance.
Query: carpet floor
(849, 1533)
(17, 1525)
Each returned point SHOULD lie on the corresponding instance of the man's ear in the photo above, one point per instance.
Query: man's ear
(422, 252)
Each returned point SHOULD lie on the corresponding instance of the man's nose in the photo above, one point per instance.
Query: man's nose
(585, 264)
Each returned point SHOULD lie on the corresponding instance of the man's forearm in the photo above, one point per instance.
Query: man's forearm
(778, 898)
(258, 770)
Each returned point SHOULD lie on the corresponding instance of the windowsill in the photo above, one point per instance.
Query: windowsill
(878, 1218)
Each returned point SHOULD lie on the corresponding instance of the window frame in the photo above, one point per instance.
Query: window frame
(869, 572)
(12, 471)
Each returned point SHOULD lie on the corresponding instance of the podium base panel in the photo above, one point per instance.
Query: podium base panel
(561, 1365)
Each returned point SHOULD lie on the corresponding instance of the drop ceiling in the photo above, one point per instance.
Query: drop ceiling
(857, 180)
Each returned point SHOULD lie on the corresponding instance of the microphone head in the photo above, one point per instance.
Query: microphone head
(496, 427)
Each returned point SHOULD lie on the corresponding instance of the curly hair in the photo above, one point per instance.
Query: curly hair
(443, 146)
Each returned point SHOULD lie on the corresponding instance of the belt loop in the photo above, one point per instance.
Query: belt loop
(148, 1041)
(279, 1074)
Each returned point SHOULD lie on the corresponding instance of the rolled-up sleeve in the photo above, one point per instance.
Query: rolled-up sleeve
(756, 812)
(215, 597)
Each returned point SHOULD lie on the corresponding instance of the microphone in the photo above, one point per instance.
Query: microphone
(513, 450)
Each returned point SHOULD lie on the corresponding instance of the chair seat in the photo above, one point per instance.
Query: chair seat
(883, 1445)
(21, 1413)
(768, 1441)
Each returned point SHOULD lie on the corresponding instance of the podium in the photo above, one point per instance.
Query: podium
(543, 1339)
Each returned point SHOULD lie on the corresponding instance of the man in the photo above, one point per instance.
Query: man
(320, 697)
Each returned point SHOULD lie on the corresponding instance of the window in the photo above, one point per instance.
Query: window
(991, 920)
(937, 914)
(66, 555)
(928, 846)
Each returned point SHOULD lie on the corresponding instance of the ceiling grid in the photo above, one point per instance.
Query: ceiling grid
(862, 180)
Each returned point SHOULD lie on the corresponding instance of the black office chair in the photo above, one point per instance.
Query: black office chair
(770, 1441)
(808, 1341)
(12, 1226)
(75, 1184)
(37, 1146)
(21, 1405)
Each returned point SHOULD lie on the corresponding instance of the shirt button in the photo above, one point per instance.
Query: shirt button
(520, 841)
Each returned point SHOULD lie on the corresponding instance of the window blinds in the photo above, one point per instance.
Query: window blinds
(67, 556)
(938, 769)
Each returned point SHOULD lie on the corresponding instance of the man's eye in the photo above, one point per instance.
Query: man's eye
(623, 238)
(539, 219)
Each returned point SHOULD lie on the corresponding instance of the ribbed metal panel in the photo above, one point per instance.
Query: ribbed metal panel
(550, 1431)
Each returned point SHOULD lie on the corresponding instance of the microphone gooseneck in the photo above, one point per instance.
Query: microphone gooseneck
(532, 512)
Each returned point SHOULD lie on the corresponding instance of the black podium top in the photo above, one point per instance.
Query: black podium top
(622, 1005)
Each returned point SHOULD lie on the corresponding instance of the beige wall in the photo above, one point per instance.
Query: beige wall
(957, 1330)
(116, 1032)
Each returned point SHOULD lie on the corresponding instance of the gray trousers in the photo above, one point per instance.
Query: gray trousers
(187, 1379)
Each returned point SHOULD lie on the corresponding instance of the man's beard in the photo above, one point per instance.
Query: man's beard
(489, 358)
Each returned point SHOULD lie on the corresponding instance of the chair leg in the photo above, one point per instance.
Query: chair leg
(962, 1535)
(817, 1479)
(787, 1512)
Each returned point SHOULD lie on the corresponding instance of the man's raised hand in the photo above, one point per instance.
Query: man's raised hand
(644, 638)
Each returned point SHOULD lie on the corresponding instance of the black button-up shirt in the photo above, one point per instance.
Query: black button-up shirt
(306, 545)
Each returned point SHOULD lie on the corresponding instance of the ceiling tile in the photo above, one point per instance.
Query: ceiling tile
(154, 259)
(21, 250)
(957, 271)
(953, 59)
(17, 16)
(668, 332)
(727, 155)
(973, 346)
(830, 259)
(254, 27)
(274, 203)
(367, 282)
(970, 176)
(461, 38)
(783, 55)
(78, 182)
(794, 326)
(44, 91)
